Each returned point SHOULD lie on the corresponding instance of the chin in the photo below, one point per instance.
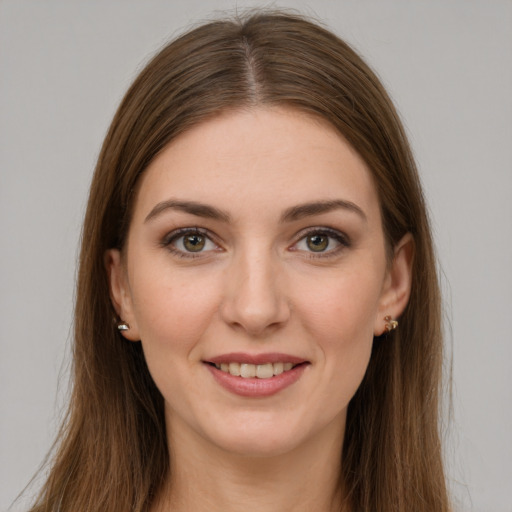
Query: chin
(260, 445)
(265, 436)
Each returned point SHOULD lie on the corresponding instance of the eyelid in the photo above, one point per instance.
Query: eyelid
(342, 238)
(170, 238)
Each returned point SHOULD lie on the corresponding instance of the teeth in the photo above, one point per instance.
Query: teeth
(278, 368)
(249, 371)
(264, 371)
(234, 369)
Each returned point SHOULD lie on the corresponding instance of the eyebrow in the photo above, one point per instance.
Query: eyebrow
(192, 207)
(291, 214)
(319, 207)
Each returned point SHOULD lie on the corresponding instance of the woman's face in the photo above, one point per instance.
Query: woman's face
(256, 245)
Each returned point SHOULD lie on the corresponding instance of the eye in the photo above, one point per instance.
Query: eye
(193, 242)
(322, 241)
(318, 243)
(187, 242)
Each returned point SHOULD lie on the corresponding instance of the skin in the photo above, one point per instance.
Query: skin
(259, 285)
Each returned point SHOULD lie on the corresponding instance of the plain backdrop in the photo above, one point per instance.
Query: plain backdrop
(64, 66)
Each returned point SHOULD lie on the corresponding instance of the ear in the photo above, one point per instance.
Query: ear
(120, 293)
(397, 284)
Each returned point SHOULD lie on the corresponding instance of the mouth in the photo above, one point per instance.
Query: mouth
(258, 371)
(256, 375)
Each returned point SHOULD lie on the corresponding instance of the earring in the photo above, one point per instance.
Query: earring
(122, 326)
(390, 324)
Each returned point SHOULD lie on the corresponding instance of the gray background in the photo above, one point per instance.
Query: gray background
(448, 64)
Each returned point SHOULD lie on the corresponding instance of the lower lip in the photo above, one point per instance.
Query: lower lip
(254, 387)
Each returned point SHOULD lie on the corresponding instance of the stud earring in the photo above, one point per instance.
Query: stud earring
(123, 326)
(390, 324)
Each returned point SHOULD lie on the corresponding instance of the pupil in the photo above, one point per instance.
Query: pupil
(318, 243)
(194, 243)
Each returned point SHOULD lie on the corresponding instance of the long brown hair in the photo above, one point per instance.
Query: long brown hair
(112, 452)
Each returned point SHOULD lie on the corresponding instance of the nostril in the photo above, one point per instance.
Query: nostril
(253, 300)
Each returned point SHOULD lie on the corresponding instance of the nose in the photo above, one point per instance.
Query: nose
(254, 298)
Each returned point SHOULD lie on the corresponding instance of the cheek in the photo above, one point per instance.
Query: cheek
(173, 309)
(172, 314)
(340, 317)
(345, 304)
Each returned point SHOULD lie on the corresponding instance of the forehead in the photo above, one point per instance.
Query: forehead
(264, 158)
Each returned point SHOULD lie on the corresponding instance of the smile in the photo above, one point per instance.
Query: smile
(256, 375)
(250, 371)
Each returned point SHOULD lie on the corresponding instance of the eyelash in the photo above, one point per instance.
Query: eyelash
(341, 238)
(174, 236)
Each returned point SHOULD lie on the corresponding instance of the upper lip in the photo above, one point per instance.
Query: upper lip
(242, 357)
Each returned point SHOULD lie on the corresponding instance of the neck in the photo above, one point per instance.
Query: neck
(208, 479)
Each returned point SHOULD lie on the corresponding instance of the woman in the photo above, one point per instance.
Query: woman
(255, 232)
